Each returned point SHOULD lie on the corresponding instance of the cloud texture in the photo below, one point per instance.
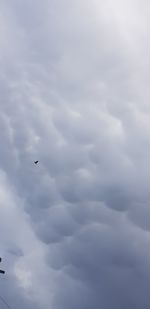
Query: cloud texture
(74, 94)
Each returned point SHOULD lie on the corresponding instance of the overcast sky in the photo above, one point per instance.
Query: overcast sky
(74, 94)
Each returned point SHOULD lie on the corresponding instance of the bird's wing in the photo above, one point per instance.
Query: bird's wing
(2, 271)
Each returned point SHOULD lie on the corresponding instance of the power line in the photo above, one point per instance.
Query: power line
(5, 303)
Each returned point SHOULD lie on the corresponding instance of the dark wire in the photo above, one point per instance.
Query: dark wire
(5, 303)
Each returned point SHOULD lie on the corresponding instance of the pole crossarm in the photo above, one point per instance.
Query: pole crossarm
(1, 271)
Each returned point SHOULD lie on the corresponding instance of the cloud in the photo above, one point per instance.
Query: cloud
(74, 87)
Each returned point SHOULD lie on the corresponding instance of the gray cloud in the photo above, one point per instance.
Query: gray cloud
(74, 84)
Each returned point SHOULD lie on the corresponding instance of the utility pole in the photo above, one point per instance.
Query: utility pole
(1, 271)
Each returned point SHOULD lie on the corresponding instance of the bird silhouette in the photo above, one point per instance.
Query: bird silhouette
(36, 162)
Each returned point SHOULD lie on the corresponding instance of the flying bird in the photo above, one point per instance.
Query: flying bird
(36, 162)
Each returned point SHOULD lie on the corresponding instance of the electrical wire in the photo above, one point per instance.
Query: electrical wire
(5, 303)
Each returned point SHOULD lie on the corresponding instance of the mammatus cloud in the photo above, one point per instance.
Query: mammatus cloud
(74, 87)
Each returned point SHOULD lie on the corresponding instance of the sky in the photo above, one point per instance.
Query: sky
(74, 94)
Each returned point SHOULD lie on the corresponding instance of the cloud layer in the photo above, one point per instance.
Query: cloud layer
(74, 84)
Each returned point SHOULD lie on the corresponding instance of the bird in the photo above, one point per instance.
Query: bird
(36, 162)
